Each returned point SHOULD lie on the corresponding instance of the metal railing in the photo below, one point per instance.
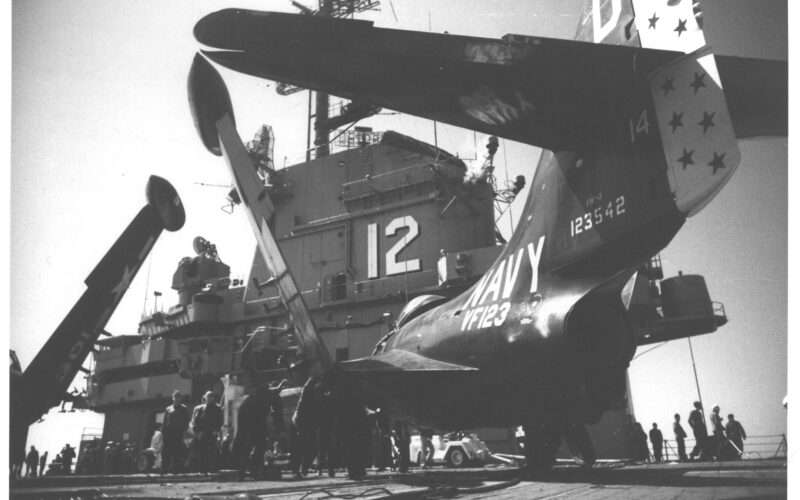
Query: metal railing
(755, 447)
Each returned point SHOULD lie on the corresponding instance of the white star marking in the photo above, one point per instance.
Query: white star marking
(123, 284)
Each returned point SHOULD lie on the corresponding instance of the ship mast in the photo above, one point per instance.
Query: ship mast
(324, 123)
(321, 129)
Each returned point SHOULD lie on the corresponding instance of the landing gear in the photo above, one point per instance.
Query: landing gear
(580, 443)
(541, 444)
(543, 438)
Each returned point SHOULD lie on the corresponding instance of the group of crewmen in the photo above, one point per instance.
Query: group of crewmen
(205, 421)
(329, 427)
(260, 416)
(338, 430)
(35, 463)
(726, 441)
(113, 457)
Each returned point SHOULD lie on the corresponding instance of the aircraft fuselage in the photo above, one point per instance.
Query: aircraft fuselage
(545, 325)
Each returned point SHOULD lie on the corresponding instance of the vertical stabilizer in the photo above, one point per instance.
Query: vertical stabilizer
(675, 25)
(700, 146)
(697, 134)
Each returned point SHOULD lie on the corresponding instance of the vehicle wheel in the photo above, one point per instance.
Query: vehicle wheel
(456, 457)
(144, 462)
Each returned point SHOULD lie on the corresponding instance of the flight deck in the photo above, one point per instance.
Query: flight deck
(707, 480)
(383, 301)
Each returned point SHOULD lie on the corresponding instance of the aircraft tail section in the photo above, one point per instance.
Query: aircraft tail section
(643, 23)
(756, 89)
(675, 24)
(594, 214)
(695, 126)
(697, 135)
(47, 378)
(690, 107)
(607, 21)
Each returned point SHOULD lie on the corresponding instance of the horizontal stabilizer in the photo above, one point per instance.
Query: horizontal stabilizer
(401, 361)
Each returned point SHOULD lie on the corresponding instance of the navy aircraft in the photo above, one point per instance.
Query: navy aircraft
(45, 381)
(641, 132)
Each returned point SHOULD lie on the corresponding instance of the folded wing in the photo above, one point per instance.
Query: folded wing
(557, 94)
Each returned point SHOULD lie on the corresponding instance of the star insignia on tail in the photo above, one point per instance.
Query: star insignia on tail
(681, 26)
(677, 121)
(668, 85)
(686, 159)
(699, 81)
(716, 163)
(707, 122)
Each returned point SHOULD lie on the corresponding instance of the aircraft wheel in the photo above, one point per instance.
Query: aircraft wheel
(456, 457)
(541, 445)
(582, 442)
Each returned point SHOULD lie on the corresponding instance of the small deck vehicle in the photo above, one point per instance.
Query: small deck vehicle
(456, 449)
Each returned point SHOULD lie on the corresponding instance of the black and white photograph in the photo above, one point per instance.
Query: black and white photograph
(307, 249)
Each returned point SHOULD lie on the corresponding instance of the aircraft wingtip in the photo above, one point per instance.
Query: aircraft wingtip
(209, 101)
(162, 196)
(211, 27)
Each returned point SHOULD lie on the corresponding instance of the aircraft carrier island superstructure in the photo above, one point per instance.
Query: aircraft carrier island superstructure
(364, 231)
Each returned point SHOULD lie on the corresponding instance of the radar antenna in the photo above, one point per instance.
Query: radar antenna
(205, 248)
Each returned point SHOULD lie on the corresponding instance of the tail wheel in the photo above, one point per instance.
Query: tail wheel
(456, 457)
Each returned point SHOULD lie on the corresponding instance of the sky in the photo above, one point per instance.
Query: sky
(99, 104)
